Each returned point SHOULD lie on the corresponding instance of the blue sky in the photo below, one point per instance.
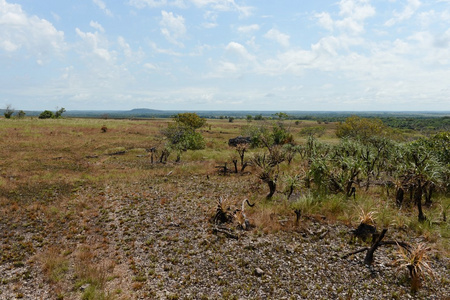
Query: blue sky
(348, 55)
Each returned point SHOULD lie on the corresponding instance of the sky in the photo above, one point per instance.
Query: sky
(283, 55)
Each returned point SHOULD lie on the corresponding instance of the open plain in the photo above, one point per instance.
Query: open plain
(86, 214)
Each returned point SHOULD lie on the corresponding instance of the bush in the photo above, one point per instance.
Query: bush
(8, 111)
(362, 128)
(46, 114)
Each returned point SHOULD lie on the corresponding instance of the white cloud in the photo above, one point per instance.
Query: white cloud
(125, 46)
(248, 29)
(211, 18)
(102, 6)
(94, 45)
(408, 11)
(157, 3)
(18, 30)
(172, 27)
(209, 25)
(224, 5)
(239, 50)
(442, 41)
(325, 20)
(275, 35)
(128, 52)
(150, 66)
(150, 3)
(354, 13)
(356, 9)
(97, 26)
(9, 46)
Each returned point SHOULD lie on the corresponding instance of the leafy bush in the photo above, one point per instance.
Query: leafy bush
(361, 128)
(46, 114)
(182, 135)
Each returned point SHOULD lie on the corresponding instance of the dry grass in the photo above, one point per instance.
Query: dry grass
(367, 218)
(84, 212)
(417, 262)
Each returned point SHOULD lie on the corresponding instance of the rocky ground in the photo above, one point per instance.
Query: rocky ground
(153, 239)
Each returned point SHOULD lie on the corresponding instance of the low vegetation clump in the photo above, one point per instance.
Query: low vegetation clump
(417, 262)
(172, 209)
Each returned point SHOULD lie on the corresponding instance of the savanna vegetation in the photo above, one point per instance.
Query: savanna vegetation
(154, 209)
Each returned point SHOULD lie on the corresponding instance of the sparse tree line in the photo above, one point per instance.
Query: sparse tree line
(46, 114)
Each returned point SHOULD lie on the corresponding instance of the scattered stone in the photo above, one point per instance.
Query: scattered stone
(259, 272)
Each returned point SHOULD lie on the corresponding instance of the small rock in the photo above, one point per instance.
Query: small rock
(259, 272)
(84, 287)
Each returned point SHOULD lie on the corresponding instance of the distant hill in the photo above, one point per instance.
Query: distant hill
(215, 114)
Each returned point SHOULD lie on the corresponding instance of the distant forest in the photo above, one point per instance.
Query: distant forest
(421, 121)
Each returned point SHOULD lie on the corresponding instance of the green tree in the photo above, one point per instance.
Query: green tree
(268, 134)
(361, 128)
(59, 113)
(8, 111)
(182, 135)
(281, 115)
(46, 114)
(189, 120)
(21, 114)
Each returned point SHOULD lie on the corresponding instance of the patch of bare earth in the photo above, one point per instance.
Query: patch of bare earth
(153, 239)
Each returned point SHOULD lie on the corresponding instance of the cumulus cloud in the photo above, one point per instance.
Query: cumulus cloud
(275, 35)
(239, 51)
(172, 27)
(354, 13)
(150, 3)
(100, 4)
(356, 9)
(224, 5)
(325, 20)
(97, 26)
(408, 11)
(248, 28)
(94, 45)
(18, 30)
(128, 52)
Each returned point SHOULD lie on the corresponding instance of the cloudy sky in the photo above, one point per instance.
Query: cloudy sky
(281, 55)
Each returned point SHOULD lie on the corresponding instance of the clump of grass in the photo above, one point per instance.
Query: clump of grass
(417, 262)
(54, 265)
(367, 217)
(87, 272)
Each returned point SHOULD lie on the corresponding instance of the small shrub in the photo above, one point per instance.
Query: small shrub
(46, 114)
(416, 260)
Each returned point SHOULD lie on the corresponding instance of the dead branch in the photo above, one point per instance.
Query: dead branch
(368, 260)
(354, 252)
(377, 242)
(225, 231)
(223, 169)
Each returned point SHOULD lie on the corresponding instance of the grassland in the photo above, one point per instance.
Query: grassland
(86, 215)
